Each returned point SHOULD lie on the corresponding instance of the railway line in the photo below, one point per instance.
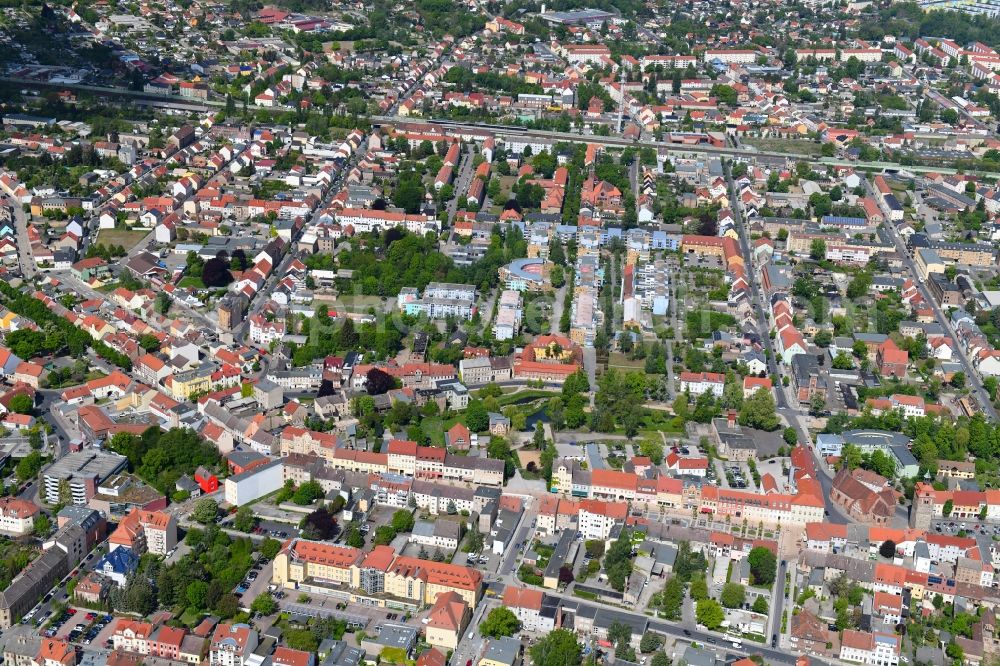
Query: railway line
(176, 103)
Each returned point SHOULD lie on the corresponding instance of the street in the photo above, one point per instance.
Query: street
(777, 602)
(24, 255)
(791, 413)
(971, 374)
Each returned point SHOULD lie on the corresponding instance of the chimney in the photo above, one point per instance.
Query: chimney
(731, 418)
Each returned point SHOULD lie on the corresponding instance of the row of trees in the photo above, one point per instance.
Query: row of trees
(75, 341)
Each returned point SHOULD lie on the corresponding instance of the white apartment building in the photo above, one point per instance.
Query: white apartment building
(527, 605)
(596, 519)
(871, 649)
(232, 645)
(17, 516)
(697, 383)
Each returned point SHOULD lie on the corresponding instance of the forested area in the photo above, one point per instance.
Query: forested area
(465, 80)
(414, 261)
(905, 20)
(160, 458)
(61, 335)
(199, 582)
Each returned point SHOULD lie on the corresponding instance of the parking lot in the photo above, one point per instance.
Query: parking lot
(78, 625)
(255, 582)
(735, 476)
(965, 526)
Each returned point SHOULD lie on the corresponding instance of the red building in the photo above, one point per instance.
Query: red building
(208, 482)
(243, 461)
(891, 359)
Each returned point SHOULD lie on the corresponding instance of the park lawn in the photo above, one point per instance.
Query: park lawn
(352, 303)
(127, 239)
(799, 147)
(191, 282)
(620, 361)
(190, 617)
(655, 420)
(435, 427)
(393, 655)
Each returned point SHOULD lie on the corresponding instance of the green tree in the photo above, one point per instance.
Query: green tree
(477, 418)
(163, 303)
(269, 548)
(760, 411)
(661, 659)
(557, 648)
(671, 598)
(709, 614)
(817, 249)
(859, 285)
(307, 493)
(759, 605)
(725, 94)
(21, 404)
(699, 589)
(42, 525)
(384, 535)
(205, 511)
(354, 538)
(557, 276)
(763, 566)
(196, 593)
(501, 621)
(881, 463)
(842, 361)
(245, 520)
(851, 456)
(409, 194)
(402, 521)
(264, 604)
(29, 466)
(619, 633)
(733, 595)
(650, 642)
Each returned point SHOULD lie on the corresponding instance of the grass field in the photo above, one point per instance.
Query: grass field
(127, 239)
(351, 303)
(622, 362)
(191, 282)
(796, 146)
(435, 427)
